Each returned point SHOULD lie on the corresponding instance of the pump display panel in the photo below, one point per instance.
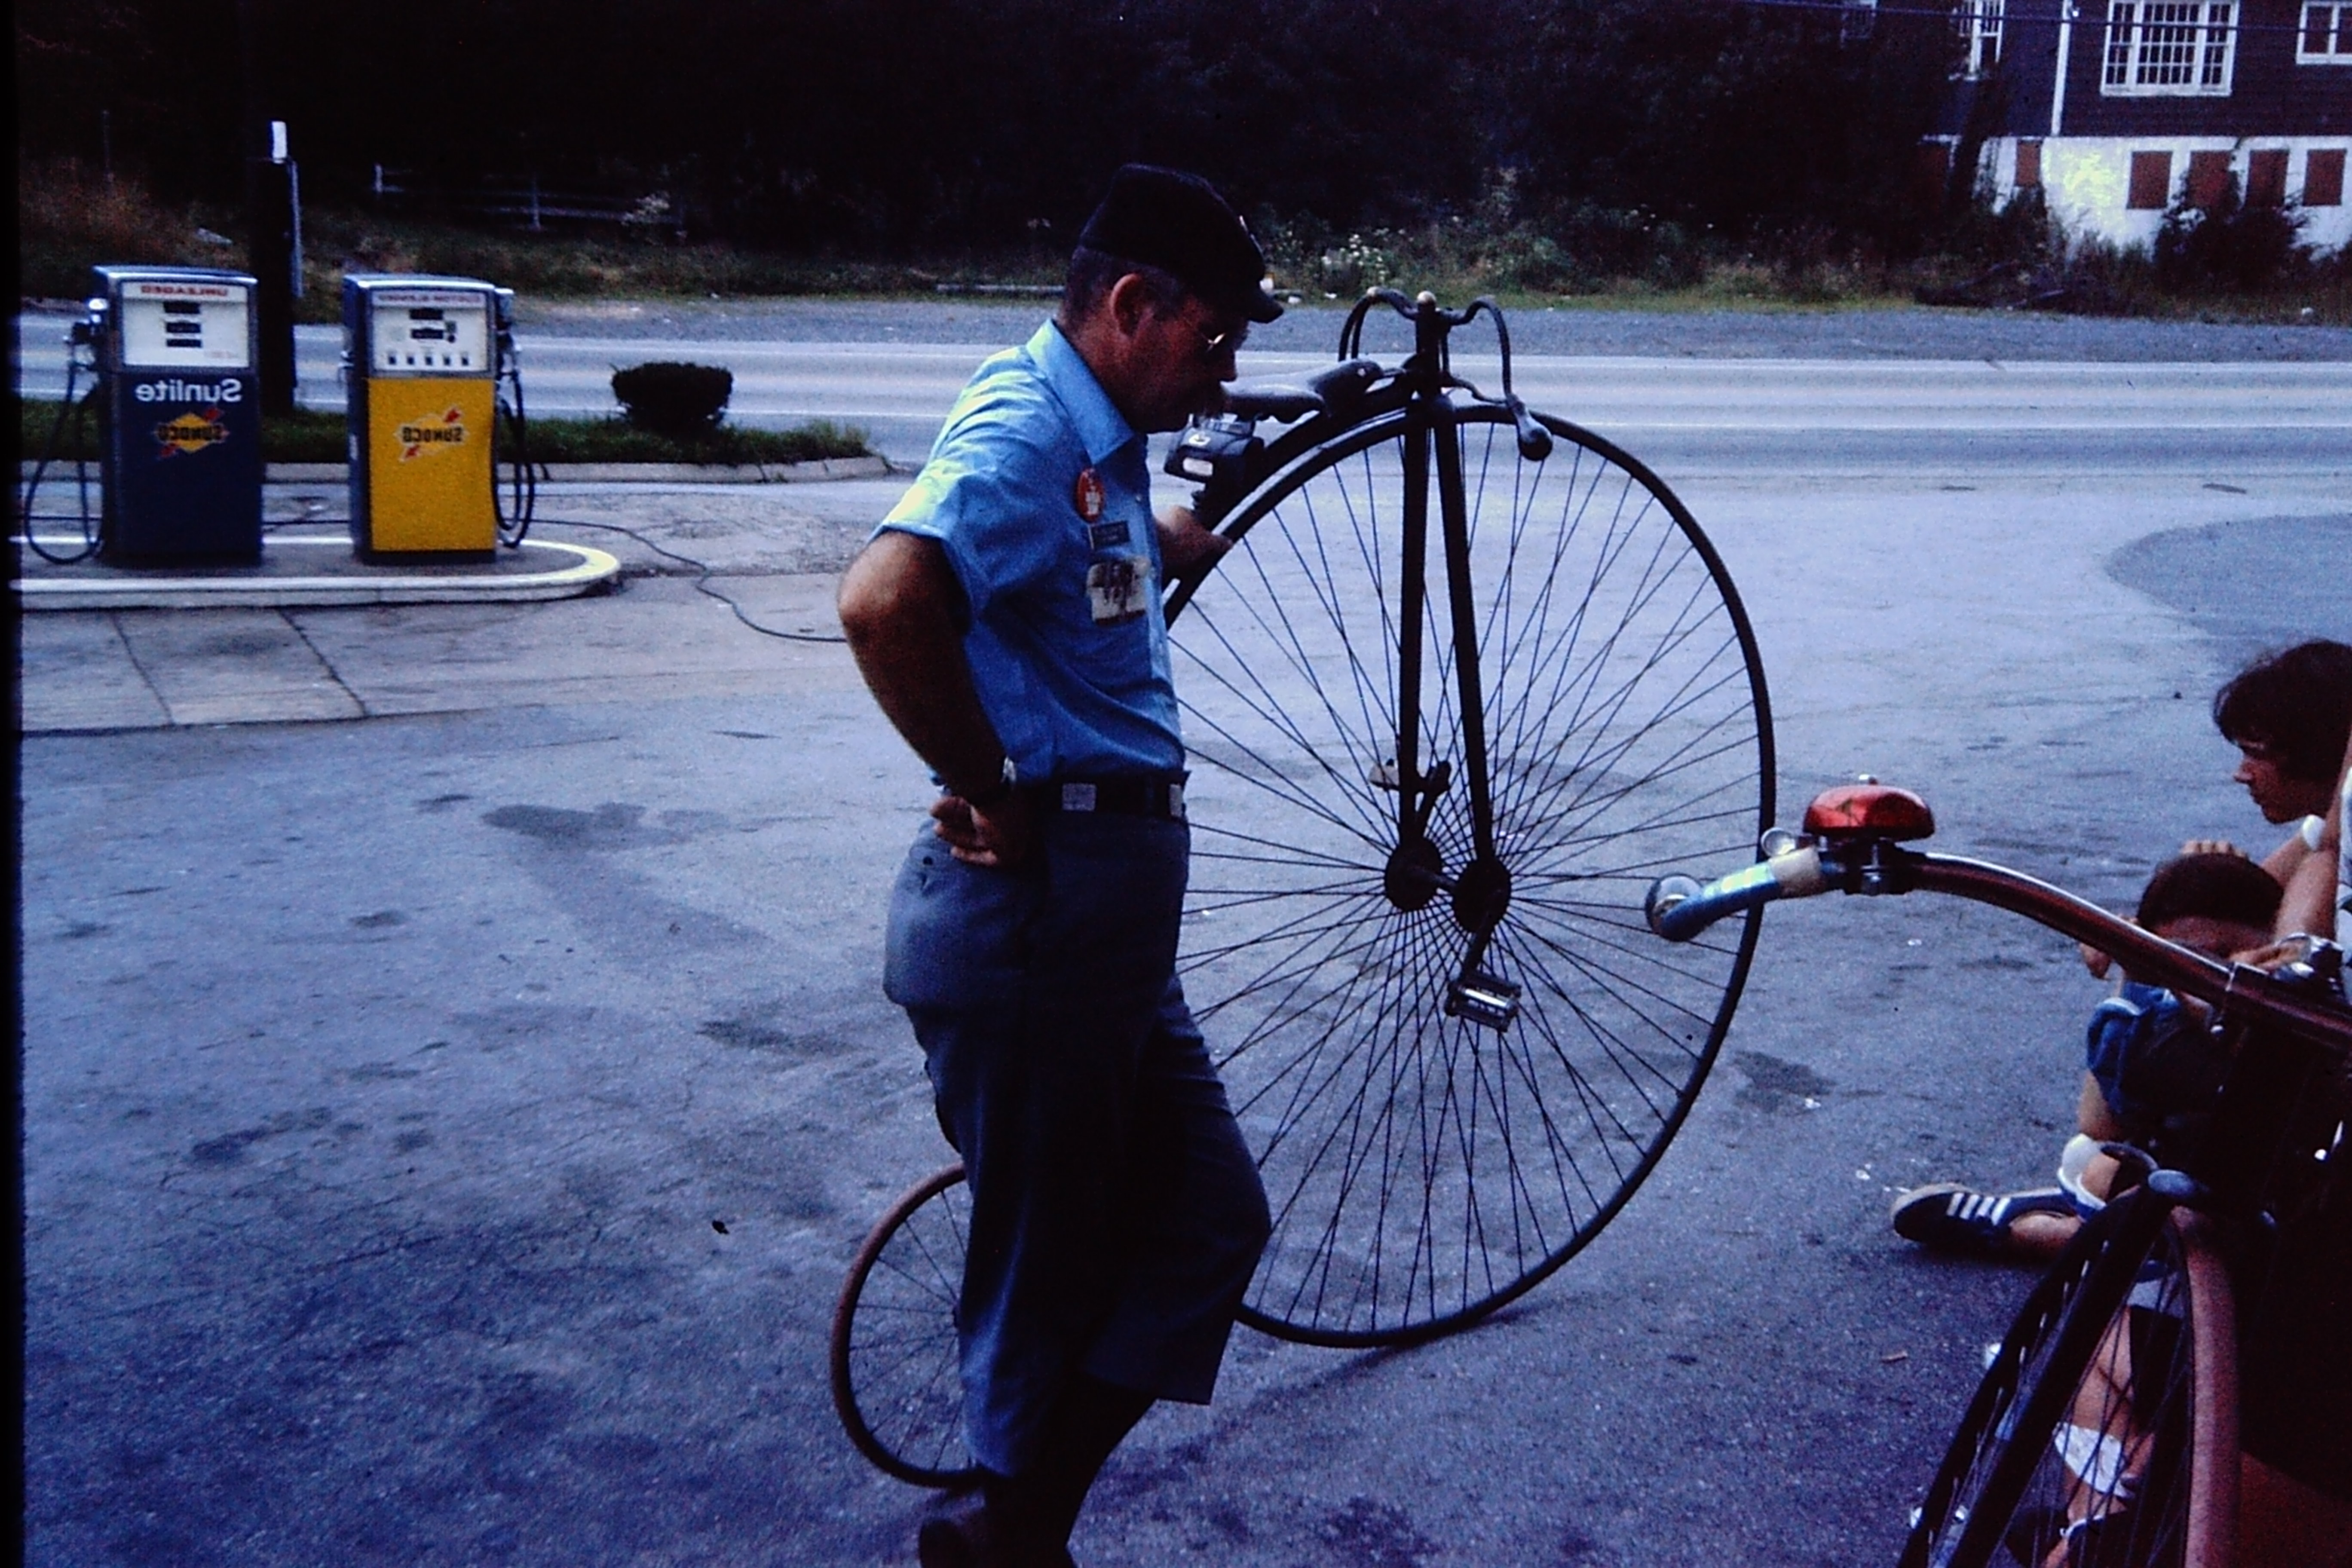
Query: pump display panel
(186, 325)
(428, 333)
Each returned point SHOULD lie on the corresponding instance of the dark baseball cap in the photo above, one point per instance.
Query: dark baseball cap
(1177, 222)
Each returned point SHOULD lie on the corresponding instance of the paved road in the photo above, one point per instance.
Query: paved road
(1869, 393)
(446, 1128)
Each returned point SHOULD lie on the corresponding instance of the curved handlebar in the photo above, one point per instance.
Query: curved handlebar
(1679, 909)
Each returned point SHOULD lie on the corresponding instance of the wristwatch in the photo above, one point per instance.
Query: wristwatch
(1008, 779)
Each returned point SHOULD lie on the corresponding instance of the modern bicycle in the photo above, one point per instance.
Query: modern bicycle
(2105, 1429)
(1468, 678)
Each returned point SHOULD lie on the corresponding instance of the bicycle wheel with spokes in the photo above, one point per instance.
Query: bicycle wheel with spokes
(897, 1382)
(2103, 1432)
(1425, 1165)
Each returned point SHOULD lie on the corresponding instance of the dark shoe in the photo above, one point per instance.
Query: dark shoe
(959, 1534)
(1947, 1217)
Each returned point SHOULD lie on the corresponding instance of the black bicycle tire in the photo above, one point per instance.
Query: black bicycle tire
(2006, 1483)
(934, 1347)
(1299, 461)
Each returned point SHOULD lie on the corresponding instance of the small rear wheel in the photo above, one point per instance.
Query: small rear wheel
(897, 1381)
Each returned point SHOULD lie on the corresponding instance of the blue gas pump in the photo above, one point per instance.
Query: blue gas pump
(179, 415)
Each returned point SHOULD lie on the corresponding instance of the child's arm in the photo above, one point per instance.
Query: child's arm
(2311, 892)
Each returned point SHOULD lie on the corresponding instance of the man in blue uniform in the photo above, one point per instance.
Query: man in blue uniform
(1006, 615)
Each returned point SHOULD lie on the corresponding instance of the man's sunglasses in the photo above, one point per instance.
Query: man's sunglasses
(1215, 346)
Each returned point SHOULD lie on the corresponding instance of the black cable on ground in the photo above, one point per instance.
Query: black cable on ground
(702, 583)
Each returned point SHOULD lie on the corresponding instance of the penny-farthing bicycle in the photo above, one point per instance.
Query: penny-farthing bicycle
(1468, 680)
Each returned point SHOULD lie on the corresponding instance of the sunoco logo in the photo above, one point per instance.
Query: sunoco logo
(449, 430)
(191, 432)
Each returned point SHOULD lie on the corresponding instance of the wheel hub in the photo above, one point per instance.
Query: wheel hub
(1412, 879)
(1482, 896)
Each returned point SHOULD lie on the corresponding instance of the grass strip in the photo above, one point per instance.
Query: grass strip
(308, 435)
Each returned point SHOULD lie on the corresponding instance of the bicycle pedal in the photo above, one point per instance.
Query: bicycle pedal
(1483, 998)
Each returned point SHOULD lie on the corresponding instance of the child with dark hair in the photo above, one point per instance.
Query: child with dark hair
(2152, 1070)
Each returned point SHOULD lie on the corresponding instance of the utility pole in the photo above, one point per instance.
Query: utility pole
(268, 217)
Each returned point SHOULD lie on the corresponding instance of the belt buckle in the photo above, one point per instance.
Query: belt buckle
(1078, 797)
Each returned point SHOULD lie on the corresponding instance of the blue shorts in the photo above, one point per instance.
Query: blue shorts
(2156, 1065)
(1116, 1214)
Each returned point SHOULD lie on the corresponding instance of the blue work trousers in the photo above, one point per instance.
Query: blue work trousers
(1117, 1216)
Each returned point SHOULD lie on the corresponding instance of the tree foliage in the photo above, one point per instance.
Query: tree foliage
(880, 124)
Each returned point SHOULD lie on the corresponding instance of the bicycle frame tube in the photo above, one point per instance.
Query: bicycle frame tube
(1453, 509)
(1413, 591)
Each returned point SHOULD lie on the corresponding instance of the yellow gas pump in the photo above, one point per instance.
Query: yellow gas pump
(423, 357)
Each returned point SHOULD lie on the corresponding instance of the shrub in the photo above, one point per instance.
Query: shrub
(2229, 243)
(681, 401)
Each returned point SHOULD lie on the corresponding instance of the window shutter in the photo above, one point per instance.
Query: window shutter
(2323, 177)
(2266, 178)
(2208, 178)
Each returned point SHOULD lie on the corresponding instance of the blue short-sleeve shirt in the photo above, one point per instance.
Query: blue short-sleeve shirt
(1066, 641)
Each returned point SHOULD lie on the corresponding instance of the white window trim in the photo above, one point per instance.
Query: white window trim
(2339, 36)
(1979, 24)
(2126, 28)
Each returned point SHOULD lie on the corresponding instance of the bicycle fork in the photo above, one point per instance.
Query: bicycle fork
(1480, 889)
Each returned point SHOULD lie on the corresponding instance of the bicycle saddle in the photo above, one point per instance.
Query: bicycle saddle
(1329, 390)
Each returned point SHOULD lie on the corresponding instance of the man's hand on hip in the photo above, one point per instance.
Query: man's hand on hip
(999, 837)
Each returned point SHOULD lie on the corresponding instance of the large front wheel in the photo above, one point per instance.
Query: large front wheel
(1454, 1067)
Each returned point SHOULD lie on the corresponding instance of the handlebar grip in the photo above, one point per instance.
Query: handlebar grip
(1679, 909)
(1535, 441)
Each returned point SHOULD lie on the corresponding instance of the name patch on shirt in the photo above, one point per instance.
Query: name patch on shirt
(1102, 536)
(1116, 588)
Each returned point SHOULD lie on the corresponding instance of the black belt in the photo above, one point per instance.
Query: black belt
(1159, 798)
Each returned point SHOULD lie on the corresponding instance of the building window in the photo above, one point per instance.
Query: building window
(2323, 177)
(2326, 36)
(2028, 164)
(1977, 22)
(2151, 182)
(2169, 47)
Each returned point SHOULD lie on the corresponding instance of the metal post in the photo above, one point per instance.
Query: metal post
(268, 221)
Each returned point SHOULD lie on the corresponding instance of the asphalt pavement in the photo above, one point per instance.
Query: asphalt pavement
(456, 1073)
(1811, 388)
